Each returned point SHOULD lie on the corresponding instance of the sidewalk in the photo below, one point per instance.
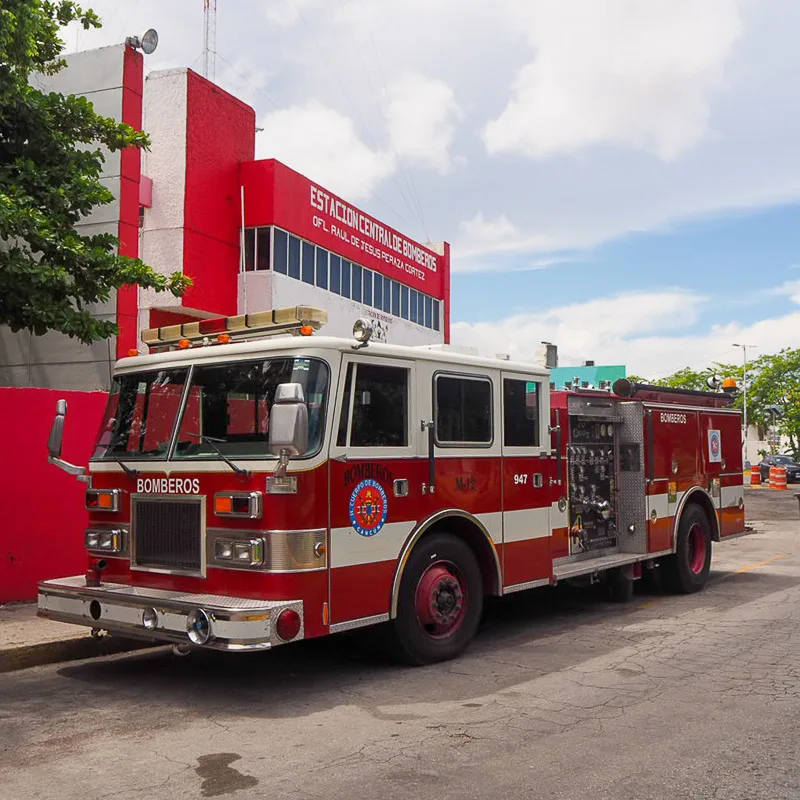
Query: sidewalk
(29, 641)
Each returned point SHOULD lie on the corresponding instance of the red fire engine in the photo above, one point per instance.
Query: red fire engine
(250, 489)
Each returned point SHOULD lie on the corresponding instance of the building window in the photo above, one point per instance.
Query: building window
(268, 247)
(294, 257)
(346, 273)
(322, 268)
(367, 294)
(281, 245)
(262, 248)
(250, 249)
(307, 263)
(396, 298)
(520, 413)
(336, 274)
(387, 295)
(463, 410)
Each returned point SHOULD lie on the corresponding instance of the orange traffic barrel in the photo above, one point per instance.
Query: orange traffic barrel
(755, 476)
(777, 478)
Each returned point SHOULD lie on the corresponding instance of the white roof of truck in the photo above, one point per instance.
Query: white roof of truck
(317, 345)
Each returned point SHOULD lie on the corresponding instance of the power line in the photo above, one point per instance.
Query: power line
(365, 130)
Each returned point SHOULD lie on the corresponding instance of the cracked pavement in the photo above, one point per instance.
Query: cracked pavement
(562, 695)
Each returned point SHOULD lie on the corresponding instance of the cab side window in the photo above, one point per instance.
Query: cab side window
(463, 410)
(374, 407)
(520, 413)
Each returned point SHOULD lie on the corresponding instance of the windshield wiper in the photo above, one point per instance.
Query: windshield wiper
(129, 471)
(240, 472)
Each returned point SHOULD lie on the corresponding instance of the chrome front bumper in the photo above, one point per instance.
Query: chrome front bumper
(236, 623)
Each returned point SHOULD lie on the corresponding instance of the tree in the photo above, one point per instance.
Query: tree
(774, 394)
(50, 165)
(697, 380)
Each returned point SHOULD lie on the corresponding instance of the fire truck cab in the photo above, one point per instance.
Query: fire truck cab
(250, 489)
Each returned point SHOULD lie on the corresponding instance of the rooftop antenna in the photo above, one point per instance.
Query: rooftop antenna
(210, 39)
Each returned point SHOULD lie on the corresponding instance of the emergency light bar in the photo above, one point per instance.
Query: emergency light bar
(298, 320)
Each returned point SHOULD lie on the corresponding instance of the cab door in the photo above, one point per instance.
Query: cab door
(372, 511)
(527, 470)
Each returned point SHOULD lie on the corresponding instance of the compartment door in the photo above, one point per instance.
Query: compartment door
(527, 470)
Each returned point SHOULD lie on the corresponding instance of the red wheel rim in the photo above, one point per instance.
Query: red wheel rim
(441, 600)
(697, 548)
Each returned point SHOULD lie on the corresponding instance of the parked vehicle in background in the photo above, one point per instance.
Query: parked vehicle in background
(792, 468)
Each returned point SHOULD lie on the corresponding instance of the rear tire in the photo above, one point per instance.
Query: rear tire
(686, 571)
(440, 603)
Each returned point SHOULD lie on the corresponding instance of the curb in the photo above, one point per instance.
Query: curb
(37, 655)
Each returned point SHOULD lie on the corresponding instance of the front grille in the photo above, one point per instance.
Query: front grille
(167, 534)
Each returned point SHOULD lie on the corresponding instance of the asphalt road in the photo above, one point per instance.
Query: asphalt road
(562, 696)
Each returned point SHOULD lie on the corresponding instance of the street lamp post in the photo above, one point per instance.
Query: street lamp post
(744, 390)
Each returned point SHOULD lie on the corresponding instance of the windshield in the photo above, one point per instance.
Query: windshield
(140, 415)
(784, 460)
(229, 404)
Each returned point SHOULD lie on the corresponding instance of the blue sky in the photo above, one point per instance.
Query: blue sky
(620, 177)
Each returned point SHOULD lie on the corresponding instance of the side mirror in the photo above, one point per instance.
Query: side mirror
(56, 438)
(288, 421)
(54, 442)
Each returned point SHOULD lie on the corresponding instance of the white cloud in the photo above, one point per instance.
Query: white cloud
(480, 236)
(619, 71)
(643, 330)
(286, 13)
(421, 118)
(323, 144)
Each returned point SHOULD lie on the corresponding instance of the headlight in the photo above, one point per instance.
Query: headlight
(92, 540)
(223, 549)
(248, 553)
(108, 541)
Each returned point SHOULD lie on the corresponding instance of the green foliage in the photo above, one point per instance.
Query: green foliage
(774, 394)
(50, 167)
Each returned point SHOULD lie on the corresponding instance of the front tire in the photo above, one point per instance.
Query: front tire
(440, 603)
(686, 571)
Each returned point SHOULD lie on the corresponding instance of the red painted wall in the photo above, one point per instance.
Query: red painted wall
(220, 134)
(131, 171)
(43, 518)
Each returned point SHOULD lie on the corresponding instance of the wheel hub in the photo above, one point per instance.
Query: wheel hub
(696, 549)
(440, 600)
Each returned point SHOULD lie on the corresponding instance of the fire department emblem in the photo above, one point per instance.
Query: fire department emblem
(714, 446)
(368, 508)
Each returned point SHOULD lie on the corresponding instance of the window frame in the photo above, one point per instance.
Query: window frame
(267, 457)
(526, 380)
(479, 377)
(406, 451)
(543, 391)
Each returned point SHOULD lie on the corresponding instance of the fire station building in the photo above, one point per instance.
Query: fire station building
(252, 235)
(256, 235)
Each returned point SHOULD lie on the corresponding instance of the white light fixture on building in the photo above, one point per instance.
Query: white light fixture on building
(147, 42)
